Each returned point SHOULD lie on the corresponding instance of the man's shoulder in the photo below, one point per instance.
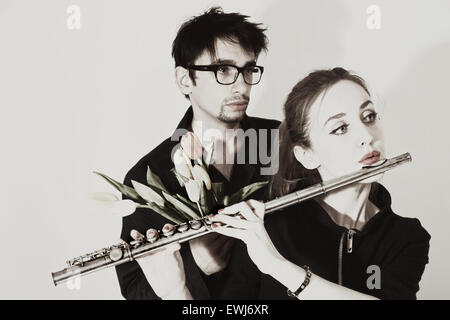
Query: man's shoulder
(262, 123)
(158, 159)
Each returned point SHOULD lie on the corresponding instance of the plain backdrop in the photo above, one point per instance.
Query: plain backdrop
(102, 96)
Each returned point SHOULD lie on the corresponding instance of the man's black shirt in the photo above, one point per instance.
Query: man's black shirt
(132, 280)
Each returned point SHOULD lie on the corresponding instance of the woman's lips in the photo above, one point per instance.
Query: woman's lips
(370, 158)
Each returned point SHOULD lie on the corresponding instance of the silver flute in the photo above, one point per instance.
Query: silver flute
(124, 252)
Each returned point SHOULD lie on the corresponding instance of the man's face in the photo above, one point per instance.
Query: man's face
(226, 103)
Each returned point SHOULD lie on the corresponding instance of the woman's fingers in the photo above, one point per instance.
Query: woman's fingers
(243, 208)
(258, 207)
(231, 232)
(233, 221)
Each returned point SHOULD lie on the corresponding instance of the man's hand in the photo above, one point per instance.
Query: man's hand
(211, 252)
(164, 271)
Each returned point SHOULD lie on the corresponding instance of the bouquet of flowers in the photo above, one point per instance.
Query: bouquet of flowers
(192, 175)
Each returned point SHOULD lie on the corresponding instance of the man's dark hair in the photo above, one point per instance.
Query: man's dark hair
(200, 33)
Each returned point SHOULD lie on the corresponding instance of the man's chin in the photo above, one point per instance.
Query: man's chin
(232, 117)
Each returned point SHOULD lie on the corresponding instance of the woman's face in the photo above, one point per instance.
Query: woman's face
(344, 132)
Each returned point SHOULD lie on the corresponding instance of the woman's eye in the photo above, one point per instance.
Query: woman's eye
(341, 130)
(371, 117)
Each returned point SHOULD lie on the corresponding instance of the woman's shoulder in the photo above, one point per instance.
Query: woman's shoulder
(410, 229)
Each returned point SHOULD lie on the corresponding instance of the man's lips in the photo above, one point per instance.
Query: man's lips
(238, 105)
(370, 158)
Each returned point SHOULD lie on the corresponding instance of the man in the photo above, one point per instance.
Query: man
(215, 67)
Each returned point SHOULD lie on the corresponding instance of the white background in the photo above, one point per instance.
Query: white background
(101, 97)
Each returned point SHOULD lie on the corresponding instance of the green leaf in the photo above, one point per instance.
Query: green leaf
(246, 191)
(147, 193)
(155, 181)
(203, 201)
(180, 206)
(226, 201)
(166, 213)
(187, 202)
(218, 191)
(125, 190)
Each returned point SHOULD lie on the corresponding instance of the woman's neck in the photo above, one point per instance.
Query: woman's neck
(349, 207)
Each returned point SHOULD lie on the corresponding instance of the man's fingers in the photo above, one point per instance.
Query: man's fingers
(172, 247)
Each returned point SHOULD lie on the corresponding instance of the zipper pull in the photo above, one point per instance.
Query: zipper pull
(350, 234)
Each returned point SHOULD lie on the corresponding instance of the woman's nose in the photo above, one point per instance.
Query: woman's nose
(365, 137)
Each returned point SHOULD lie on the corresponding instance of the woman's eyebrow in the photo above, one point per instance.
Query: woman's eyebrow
(365, 104)
(340, 115)
(336, 116)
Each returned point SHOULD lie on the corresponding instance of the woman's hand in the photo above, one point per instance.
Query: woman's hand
(250, 229)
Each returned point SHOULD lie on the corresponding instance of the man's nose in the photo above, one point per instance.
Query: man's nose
(239, 85)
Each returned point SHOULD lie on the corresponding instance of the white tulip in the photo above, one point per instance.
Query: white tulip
(193, 190)
(200, 174)
(182, 163)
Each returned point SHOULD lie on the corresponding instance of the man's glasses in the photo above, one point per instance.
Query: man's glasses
(228, 74)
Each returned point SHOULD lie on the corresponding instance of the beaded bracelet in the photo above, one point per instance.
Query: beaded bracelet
(303, 285)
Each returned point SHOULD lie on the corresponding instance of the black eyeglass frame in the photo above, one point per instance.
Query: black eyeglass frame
(215, 67)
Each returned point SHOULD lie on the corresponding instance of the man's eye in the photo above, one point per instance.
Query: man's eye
(224, 69)
(341, 130)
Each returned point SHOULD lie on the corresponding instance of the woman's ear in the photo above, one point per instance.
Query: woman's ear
(183, 80)
(306, 157)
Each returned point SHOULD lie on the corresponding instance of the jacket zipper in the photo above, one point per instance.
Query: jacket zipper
(349, 233)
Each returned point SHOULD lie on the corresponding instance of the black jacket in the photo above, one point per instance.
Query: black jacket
(306, 235)
(132, 280)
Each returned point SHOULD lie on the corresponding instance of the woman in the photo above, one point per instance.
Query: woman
(347, 244)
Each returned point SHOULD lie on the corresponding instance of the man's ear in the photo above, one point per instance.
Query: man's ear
(306, 157)
(183, 80)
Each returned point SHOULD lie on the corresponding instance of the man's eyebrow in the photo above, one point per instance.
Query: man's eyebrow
(233, 63)
(340, 115)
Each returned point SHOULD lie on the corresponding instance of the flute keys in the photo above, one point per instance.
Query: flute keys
(168, 230)
(136, 243)
(115, 254)
(136, 235)
(207, 220)
(183, 227)
(138, 238)
(152, 235)
(195, 224)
